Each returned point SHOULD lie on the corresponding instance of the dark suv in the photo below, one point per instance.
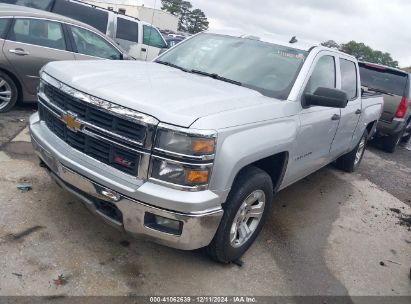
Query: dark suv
(394, 84)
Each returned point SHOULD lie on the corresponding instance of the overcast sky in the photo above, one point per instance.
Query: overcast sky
(382, 24)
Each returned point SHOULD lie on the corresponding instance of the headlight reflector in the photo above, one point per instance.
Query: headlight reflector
(185, 144)
(179, 174)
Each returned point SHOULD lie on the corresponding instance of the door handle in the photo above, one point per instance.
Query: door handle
(336, 117)
(358, 112)
(143, 49)
(19, 52)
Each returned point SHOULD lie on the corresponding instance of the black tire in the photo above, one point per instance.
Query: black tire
(9, 84)
(348, 162)
(390, 143)
(248, 181)
(407, 129)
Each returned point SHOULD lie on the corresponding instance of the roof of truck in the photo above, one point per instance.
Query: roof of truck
(23, 11)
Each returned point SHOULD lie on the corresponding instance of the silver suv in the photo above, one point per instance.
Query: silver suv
(30, 38)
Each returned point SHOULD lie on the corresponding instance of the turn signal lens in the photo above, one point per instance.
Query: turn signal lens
(203, 146)
(196, 177)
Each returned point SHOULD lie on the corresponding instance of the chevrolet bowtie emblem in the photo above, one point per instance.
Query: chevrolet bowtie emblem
(71, 121)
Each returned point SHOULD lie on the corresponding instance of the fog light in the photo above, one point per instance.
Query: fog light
(163, 224)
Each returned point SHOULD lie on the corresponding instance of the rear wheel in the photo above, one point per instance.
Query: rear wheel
(8, 93)
(245, 211)
(351, 161)
(407, 131)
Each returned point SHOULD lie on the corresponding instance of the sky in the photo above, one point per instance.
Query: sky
(384, 25)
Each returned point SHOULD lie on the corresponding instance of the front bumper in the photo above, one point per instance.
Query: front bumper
(198, 227)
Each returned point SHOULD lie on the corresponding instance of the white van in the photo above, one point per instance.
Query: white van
(140, 39)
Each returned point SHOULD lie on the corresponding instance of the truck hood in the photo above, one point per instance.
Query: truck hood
(168, 94)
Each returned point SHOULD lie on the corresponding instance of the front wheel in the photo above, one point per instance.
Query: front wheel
(350, 162)
(245, 211)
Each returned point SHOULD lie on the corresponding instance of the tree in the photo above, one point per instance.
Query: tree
(197, 22)
(331, 44)
(363, 52)
(192, 21)
(185, 11)
(172, 6)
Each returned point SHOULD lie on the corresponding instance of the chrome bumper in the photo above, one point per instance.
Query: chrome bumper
(198, 228)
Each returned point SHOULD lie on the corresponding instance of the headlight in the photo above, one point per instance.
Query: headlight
(183, 158)
(185, 144)
(183, 174)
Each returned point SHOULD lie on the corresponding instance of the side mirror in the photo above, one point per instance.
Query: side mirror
(326, 97)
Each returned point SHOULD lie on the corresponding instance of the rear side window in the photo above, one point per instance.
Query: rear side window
(152, 37)
(38, 32)
(39, 4)
(91, 44)
(92, 16)
(127, 30)
(383, 79)
(348, 78)
(323, 75)
(4, 24)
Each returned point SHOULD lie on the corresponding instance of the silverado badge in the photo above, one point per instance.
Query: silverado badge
(71, 121)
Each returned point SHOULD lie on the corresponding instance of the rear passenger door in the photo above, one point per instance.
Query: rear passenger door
(349, 115)
(30, 44)
(127, 34)
(90, 45)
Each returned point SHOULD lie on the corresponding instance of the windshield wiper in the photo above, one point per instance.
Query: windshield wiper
(378, 90)
(171, 65)
(216, 76)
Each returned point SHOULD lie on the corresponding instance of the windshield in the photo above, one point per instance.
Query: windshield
(383, 79)
(268, 68)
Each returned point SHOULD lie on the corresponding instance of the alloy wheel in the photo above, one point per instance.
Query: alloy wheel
(247, 218)
(5, 93)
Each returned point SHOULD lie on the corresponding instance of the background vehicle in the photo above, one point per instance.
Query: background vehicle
(234, 119)
(172, 41)
(394, 84)
(138, 38)
(30, 38)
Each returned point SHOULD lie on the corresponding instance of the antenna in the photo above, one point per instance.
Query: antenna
(294, 39)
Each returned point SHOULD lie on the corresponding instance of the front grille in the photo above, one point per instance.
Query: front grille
(94, 115)
(106, 152)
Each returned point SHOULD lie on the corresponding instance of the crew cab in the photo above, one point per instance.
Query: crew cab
(189, 150)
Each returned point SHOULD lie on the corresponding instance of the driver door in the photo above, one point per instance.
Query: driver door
(318, 125)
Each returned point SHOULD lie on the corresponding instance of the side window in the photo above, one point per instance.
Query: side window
(127, 30)
(38, 32)
(323, 75)
(95, 17)
(4, 24)
(89, 43)
(39, 4)
(152, 37)
(349, 78)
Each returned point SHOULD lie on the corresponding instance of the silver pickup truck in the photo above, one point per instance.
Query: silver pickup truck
(189, 150)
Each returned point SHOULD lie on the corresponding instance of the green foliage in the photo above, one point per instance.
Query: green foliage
(363, 52)
(197, 22)
(172, 6)
(192, 21)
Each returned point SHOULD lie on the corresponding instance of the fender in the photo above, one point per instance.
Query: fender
(258, 142)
